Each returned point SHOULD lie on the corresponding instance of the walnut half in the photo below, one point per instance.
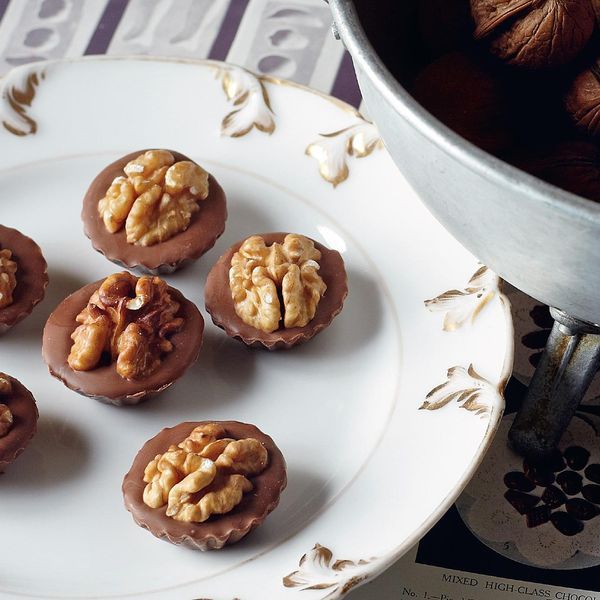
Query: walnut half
(8, 280)
(206, 474)
(6, 420)
(155, 199)
(6, 417)
(262, 276)
(127, 320)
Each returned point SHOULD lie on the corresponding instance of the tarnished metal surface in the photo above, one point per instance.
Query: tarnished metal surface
(566, 369)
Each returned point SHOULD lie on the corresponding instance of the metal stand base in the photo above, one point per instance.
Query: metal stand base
(566, 369)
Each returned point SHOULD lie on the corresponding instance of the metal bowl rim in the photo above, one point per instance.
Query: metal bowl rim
(363, 53)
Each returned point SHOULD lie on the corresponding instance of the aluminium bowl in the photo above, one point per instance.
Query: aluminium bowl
(540, 238)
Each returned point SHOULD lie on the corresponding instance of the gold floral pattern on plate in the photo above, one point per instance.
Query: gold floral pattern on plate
(472, 391)
(17, 99)
(250, 99)
(467, 387)
(333, 149)
(319, 571)
(252, 109)
(463, 305)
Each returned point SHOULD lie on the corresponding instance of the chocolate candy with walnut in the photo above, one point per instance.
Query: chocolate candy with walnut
(220, 304)
(104, 382)
(197, 231)
(31, 276)
(18, 419)
(218, 530)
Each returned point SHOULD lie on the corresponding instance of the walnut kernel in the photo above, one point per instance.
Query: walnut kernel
(203, 475)
(202, 436)
(8, 280)
(244, 457)
(5, 384)
(256, 273)
(156, 198)
(6, 417)
(225, 494)
(6, 420)
(128, 321)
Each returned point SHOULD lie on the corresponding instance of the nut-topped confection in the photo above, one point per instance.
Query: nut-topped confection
(205, 484)
(276, 290)
(123, 338)
(155, 210)
(23, 277)
(18, 419)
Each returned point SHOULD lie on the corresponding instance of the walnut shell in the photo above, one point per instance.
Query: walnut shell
(596, 5)
(469, 99)
(535, 34)
(571, 165)
(582, 101)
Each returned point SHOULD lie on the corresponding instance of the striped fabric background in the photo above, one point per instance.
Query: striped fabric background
(285, 38)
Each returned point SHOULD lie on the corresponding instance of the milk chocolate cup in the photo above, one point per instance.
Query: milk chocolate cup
(104, 383)
(32, 277)
(218, 530)
(207, 224)
(219, 302)
(24, 411)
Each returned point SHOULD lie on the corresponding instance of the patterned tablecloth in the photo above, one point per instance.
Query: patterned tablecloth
(284, 38)
(292, 39)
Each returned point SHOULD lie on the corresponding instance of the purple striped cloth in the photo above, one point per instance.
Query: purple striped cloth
(284, 38)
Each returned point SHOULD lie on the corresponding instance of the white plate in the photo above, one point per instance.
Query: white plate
(368, 471)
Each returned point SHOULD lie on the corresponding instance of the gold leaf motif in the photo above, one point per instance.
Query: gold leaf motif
(18, 99)
(249, 96)
(333, 149)
(318, 571)
(475, 393)
(352, 583)
(461, 306)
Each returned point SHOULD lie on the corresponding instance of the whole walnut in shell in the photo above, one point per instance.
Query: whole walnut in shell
(468, 98)
(535, 34)
(596, 5)
(571, 165)
(582, 101)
